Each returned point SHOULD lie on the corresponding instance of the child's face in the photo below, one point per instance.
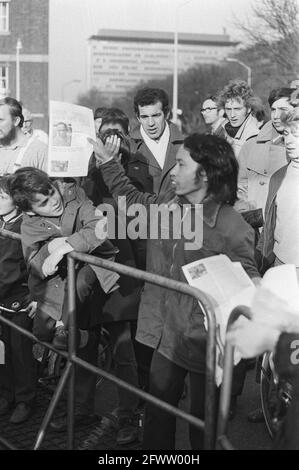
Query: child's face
(49, 205)
(6, 203)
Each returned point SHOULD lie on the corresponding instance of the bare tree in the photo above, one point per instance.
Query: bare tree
(275, 30)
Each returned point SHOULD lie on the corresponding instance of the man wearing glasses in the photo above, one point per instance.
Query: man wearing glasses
(213, 116)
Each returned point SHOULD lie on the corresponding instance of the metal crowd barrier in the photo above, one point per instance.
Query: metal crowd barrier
(68, 374)
(222, 441)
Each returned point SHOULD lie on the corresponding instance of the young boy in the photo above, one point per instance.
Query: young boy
(59, 218)
(17, 374)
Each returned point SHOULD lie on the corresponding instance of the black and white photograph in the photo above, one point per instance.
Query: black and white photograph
(185, 112)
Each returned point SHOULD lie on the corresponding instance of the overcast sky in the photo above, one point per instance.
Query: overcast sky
(73, 21)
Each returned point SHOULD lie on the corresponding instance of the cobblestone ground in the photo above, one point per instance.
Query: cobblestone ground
(242, 434)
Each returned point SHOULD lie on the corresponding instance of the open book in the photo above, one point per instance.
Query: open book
(227, 285)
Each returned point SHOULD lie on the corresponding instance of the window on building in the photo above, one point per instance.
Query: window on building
(3, 80)
(4, 17)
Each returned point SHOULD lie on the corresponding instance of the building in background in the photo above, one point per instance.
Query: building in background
(119, 59)
(24, 33)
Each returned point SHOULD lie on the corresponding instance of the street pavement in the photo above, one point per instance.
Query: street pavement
(242, 434)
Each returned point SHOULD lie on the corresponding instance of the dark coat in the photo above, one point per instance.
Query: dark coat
(13, 272)
(168, 321)
(78, 223)
(161, 177)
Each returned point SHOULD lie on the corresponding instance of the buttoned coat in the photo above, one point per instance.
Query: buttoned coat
(259, 159)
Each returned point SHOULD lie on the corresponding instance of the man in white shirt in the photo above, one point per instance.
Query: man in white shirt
(156, 139)
(17, 149)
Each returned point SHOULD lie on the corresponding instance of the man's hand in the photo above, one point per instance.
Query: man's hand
(50, 265)
(104, 152)
(31, 309)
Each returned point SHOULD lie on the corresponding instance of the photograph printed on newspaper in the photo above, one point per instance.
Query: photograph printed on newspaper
(69, 150)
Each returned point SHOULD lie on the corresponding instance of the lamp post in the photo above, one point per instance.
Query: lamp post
(18, 48)
(175, 63)
(66, 84)
(249, 74)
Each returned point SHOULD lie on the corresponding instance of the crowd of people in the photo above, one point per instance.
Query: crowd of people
(243, 172)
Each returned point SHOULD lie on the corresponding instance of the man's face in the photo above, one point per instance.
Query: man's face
(209, 112)
(183, 175)
(236, 111)
(152, 119)
(291, 139)
(278, 107)
(6, 203)
(97, 123)
(27, 125)
(7, 125)
(50, 205)
(62, 131)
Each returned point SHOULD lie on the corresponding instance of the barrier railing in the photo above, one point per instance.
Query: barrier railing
(225, 394)
(68, 374)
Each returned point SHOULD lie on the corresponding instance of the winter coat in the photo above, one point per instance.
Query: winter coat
(259, 158)
(169, 321)
(161, 177)
(77, 223)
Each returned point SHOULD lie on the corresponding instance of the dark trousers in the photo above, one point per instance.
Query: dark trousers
(167, 383)
(18, 374)
(239, 376)
(88, 293)
(143, 356)
(125, 364)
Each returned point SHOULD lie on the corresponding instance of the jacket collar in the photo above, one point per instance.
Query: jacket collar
(175, 134)
(267, 133)
(210, 208)
(67, 189)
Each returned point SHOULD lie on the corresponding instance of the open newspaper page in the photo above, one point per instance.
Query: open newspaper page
(69, 150)
(227, 285)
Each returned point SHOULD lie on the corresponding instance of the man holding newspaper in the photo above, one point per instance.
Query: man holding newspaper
(169, 322)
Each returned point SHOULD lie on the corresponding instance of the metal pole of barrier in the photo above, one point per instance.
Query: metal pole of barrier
(7, 444)
(54, 400)
(71, 351)
(205, 305)
(8, 234)
(225, 394)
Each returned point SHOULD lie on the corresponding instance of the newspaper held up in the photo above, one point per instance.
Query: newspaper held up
(69, 149)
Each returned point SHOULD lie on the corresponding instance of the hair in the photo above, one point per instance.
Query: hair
(148, 96)
(278, 93)
(15, 108)
(99, 112)
(290, 117)
(61, 123)
(114, 116)
(235, 89)
(4, 184)
(25, 183)
(216, 157)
